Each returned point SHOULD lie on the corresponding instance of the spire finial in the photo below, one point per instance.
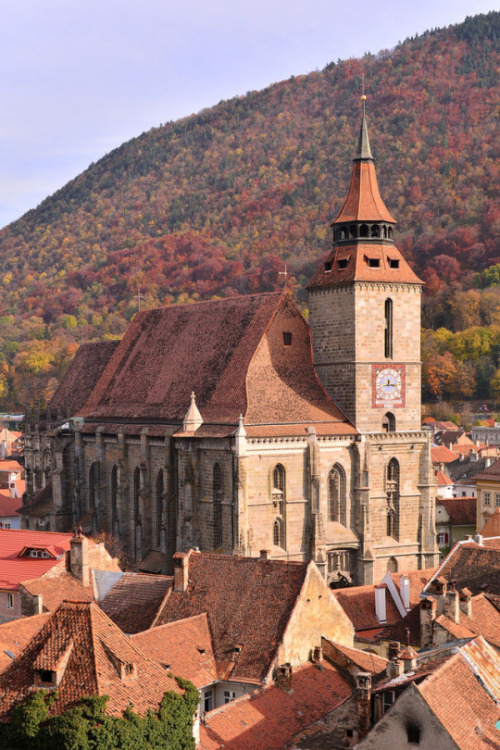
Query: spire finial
(364, 152)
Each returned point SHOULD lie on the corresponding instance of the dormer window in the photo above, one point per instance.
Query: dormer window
(45, 677)
(393, 263)
(33, 552)
(342, 263)
(328, 266)
(374, 262)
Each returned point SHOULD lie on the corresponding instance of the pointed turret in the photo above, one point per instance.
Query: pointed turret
(363, 243)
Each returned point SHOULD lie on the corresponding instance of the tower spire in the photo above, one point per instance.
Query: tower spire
(364, 152)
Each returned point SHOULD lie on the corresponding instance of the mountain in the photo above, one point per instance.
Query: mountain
(217, 203)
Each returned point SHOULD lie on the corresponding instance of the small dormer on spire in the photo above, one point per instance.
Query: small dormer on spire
(193, 418)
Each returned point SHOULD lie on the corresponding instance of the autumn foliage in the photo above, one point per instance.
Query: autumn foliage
(216, 204)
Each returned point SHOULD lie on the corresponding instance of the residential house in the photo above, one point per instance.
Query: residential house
(455, 520)
(488, 493)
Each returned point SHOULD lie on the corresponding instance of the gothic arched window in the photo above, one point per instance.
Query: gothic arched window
(278, 500)
(336, 493)
(137, 495)
(388, 311)
(159, 505)
(93, 484)
(217, 494)
(279, 533)
(392, 493)
(114, 499)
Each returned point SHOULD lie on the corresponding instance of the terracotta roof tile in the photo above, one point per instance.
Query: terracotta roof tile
(440, 454)
(83, 373)
(248, 602)
(366, 661)
(8, 505)
(14, 569)
(484, 620)
(358, 602)
(459, 699)
(492, 525)
(183, 647)
(270, 719)
(95, 649)
(492, 472)
(442, 478)
(461, 510)
(363, 202)
(14, 636)
(56, 585)
(135, 600)
(472, 565)
(397, 631)
(359, 268)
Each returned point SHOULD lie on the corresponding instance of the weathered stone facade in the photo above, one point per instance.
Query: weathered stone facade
(293, 474)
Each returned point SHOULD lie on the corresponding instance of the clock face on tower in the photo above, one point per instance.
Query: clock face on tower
(388, 385)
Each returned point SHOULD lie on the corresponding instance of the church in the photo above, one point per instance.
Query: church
(235, 426)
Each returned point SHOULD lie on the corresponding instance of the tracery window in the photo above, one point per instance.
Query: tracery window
(217, 494)
(336, 493)
(159, 505)
(392, 493)
(114, 499)
(278, 500)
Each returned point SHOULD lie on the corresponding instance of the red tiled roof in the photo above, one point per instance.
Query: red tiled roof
(8, 505)
(14, 569)
(184, 648)
(95, 647)
(248, 602)
(234, 353)
(397, 631)
(363, 202)
(270, 719)
(492, 473)
(440, 454)
(442, 478)
(365, 660)
(14, 636)
(472, 565)
(358, 267)
(9, 464)
(484, 620)
(56, 585)
(84, 371)
(461, 510)
(467, 710)
(135, 600)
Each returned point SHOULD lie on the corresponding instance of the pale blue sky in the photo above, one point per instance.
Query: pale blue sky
(80, 77)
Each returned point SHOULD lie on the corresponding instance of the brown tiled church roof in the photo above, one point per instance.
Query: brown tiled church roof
(230, 352)
(248, 601)
(472, 565)
(81, 640)
(83, 373)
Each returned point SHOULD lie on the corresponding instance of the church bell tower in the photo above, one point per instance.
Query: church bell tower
(364, 311)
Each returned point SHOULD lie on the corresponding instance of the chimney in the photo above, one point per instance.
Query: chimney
(363, 702)
(465, 598)
(79, 559)
(394, 668)
(380, 610)
(264, 554)
(451, 606)
(393, 649)
(181, 572)
(284, 676)
(478, 539)
(405, 591)
(427, 617)
(317, 655)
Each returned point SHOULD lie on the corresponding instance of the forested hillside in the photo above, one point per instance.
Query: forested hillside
(217, 203)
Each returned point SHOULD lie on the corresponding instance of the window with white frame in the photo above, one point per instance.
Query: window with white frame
(208, 700)
(497, 499)
(229, 695)
(487, 498)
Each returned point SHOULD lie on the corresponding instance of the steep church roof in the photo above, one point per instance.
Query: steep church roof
(247, 355)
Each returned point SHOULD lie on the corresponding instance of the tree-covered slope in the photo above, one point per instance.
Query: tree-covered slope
(216, 203)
